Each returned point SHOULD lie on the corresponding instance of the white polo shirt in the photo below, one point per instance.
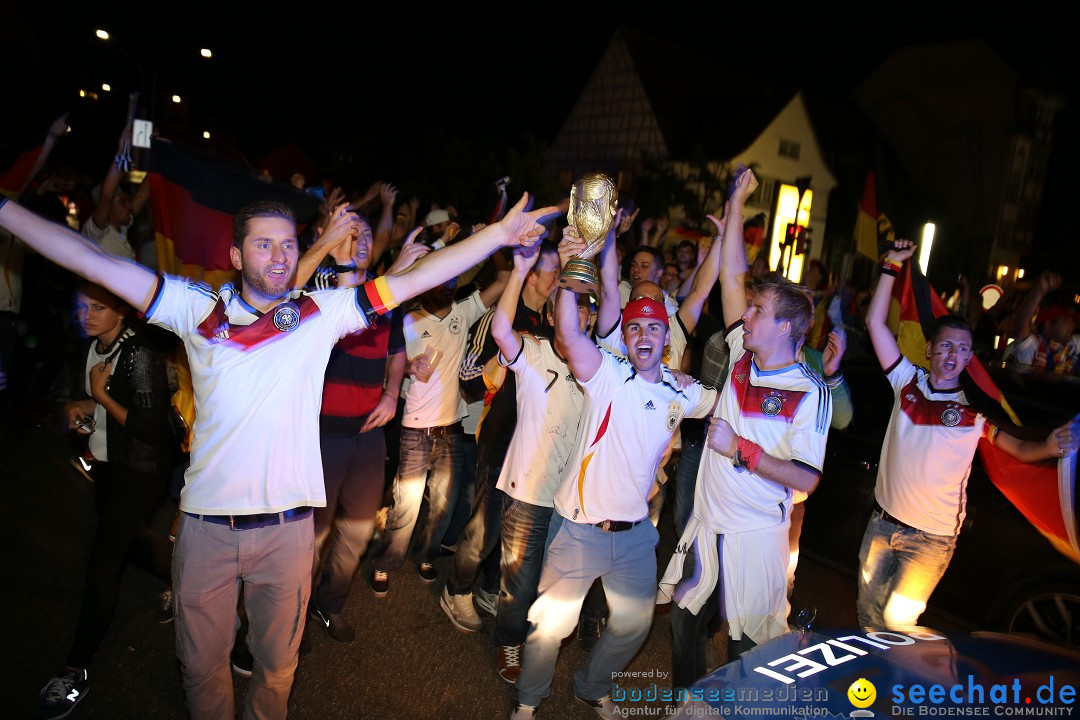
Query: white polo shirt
(258, 382)
(787, 412)
(626, 425)
(438, 401)
(927, 451)
(549, 402)
(109, 239)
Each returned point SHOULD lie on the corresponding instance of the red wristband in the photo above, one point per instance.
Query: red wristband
(748, 453)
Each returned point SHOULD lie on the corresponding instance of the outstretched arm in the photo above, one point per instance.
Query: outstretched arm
(519, 227)
(733, 268)
(1060, 442)
(130, 281)
(881, 336)
(387, 196)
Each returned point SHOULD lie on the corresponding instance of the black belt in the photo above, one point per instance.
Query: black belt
(616, 525)
(440, 431)
(258, 520)
(891, 518)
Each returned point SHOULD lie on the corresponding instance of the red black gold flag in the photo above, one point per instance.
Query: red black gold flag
(15, 178)
(194, 200)
(873, 230)
(1045, 492)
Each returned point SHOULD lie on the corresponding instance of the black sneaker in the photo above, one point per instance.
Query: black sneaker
(427, 572)
(589, 632)
(242, 662)
(379, 582)
(335, 623)
(61, 694)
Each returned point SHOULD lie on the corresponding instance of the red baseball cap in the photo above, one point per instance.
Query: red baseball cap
(645, 308)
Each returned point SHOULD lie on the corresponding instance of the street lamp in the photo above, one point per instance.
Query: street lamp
(102, 34)
(925, 245)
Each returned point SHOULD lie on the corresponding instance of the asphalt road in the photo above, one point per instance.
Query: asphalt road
(407, 660)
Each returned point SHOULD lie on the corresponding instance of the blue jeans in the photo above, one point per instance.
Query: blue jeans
(434, 461)
(524, 536)
(481, 535)
(577, 555)
(899, 567)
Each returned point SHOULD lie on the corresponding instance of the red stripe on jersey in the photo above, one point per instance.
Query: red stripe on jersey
(603, 427)
(754, 399)
(217, 329)
(922, 411)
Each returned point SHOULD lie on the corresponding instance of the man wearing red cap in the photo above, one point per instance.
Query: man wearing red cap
(600, 527)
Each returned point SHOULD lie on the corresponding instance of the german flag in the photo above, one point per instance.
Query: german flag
(1044, 492)
(873, 230)
(15, 178)
(194, 200)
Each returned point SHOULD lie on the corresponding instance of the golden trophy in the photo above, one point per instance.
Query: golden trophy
(593, 200)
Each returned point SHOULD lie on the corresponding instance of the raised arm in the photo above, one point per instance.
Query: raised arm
(610, 304)
(705, 274)
(1048, 282)
(582, 355)
(128, 280)
(885, 347)
(502, 321)
(519, 227)
(387, 196)
(733, 269)
(101, 211)
(341, 249)
(494, 291)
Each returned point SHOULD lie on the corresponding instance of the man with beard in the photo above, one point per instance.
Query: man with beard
(257, 360)
(600, 528)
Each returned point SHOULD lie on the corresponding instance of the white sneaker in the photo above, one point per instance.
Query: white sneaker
(488, 602)
(460, 610)
(604, 707)
(523, 712)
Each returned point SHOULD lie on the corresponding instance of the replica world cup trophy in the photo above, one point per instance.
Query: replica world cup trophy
(593, 200)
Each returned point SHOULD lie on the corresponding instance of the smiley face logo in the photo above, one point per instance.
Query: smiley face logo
(862, 693)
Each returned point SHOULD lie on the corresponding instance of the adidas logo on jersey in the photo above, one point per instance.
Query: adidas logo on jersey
(650, 406)
(425, 334)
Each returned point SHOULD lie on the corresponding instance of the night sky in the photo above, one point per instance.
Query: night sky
(379, 91)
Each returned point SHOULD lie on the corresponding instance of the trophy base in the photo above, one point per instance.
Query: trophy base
(579, 275)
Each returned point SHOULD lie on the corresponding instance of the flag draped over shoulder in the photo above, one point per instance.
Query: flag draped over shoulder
(1045, 492)
(194, 200)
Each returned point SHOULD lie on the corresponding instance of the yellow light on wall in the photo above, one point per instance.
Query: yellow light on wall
(925, 245)
(1020, 274)
(1003, 270)
(106, 87)
(786, 213)
(82, 93)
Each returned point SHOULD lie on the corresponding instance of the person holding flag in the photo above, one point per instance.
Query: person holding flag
(926, 456)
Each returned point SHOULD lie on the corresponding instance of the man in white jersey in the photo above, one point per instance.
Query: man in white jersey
(257, 359)
(766, 439)
(548, 401)
(921, 490)
(600, 527)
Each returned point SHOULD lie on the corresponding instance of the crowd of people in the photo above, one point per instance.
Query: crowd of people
(541, 427)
